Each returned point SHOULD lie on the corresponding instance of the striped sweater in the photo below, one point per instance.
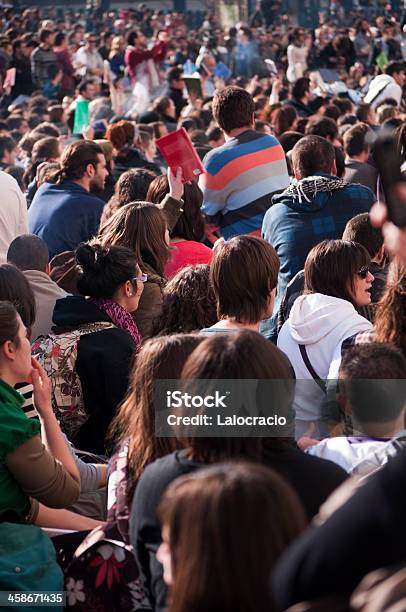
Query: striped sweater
(240, 178)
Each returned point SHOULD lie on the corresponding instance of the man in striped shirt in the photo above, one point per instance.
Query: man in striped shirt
(242, 175)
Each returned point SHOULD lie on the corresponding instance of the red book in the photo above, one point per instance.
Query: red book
(178, 152)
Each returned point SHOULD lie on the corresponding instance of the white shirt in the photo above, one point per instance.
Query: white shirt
(13, 213)
(381, 87)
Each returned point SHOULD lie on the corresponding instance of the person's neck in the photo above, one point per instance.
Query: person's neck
(7, 377)
(231, 323)
(358, 158)
(381, 430)
(82, 183)
(45, 47)
(236, 132)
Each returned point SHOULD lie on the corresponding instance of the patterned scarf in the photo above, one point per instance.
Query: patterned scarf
(119, 316)
(308, 187)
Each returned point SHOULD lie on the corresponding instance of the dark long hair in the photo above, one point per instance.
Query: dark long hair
(190, 225)
(158, 359)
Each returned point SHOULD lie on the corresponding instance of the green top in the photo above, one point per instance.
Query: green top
(15, 429)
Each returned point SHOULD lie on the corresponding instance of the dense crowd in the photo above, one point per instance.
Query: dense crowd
(276, 270)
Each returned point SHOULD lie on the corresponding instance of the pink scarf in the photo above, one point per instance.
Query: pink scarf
(119, 316)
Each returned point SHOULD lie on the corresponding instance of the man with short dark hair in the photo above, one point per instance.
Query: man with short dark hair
(42, 57)
(357, 149)
(66, 213)
(243, 174)
(326, 128)
(30, 254)
(300, 97)
(316, 206)
(175, 87)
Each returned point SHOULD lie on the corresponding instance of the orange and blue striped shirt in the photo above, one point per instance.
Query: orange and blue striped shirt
(241, 177)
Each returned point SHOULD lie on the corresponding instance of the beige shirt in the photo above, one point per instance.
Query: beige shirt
(13, 213)
(46, 293)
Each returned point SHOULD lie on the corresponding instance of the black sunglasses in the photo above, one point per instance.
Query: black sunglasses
(363, 272)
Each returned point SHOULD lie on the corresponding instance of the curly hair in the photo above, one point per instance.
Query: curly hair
(188, 302)
(132, 186)
(121, 135)
(390, 318)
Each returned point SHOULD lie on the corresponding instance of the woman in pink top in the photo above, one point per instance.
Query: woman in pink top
(186, 236)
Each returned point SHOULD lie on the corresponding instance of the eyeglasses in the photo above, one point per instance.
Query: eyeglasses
(142, 279)
(363, 272)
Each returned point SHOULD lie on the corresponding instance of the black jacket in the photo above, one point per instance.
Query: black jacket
(313, 481)
(133, 159)
(103, 364)
(366, 533)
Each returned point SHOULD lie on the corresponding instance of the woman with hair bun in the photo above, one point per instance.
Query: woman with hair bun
(112, 282)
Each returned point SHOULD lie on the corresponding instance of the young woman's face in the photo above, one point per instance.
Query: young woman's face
(164, 556)
(22, 364)
(362, 285)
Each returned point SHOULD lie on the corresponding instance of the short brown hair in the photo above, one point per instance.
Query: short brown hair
(243, 272)
(312, 155)
(355, 139)
(233, 107)
(331, 266)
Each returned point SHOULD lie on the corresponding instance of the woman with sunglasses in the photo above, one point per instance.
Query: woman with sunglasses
(337, 282)
(112, 282)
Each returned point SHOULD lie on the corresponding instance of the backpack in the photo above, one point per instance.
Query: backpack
(57, 353)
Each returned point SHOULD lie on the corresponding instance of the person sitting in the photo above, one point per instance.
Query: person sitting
(243, 301)
(35, 477)
(244, 356)
(372, 391)
(197, 507)
(317, 205)
(132, 435)
(242, 174)
(188, 302)
(357, 149)
(337, 280)
(144, 228)
(358, 229)
(188, 233)
(29, 253)
(66, 213)
(105, 336)
(387, 85)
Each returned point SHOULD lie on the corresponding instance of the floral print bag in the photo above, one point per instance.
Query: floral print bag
(103, 575)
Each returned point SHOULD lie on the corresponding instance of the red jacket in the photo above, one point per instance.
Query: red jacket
(134, 56)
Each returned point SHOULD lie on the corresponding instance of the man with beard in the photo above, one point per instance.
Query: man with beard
(65, 212)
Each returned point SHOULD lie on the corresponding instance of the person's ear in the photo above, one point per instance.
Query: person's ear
(253, 120)
(48, 269)
(334, 168)
(8, 350)
(128, 289)
(90, 170)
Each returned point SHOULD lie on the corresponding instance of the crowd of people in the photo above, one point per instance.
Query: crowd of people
(279, 264)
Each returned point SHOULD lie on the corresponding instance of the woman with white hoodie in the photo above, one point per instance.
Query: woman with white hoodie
(337, 281)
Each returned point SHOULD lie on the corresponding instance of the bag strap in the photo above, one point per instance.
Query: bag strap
(311, 369)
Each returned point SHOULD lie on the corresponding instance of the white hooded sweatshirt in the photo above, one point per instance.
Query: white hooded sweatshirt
(321, 323)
